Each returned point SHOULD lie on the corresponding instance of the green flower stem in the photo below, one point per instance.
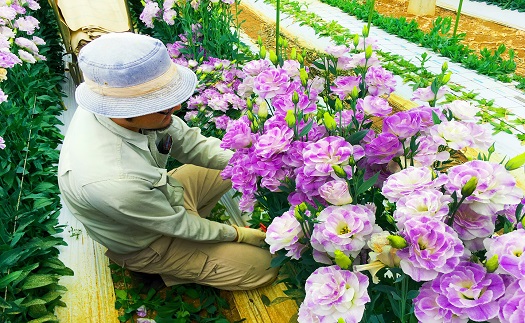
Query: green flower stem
(457, 18)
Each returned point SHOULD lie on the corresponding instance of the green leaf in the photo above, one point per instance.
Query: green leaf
(36, 301)
(121, 294)
(266, 301)
(355, 138)
(278, 261)
(4, 281)
(412, 294)
(367, 184)
(46, 318)
(306, 129)
(37, 280)
(192, 293)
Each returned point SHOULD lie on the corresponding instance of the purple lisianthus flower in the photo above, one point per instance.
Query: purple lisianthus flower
(433, 248)
(360, 61)
(345, 228)
(284, 233)
(292, 68)
(145, 320)
(150, 12)
(426, 94)
(383, 148)
(3, 98)
(309, 184)
(2, 143)
(221, 122)
(337, 51)
(496, 186)
(240, 172)
(410, 180)
(271, 82)
(273, 141)
(425, 115)
(7, 13)
(294, 155)
(333, 293)
(320, 156)
(402, 124)
(454, 134)
(510, 249)
(374, 106)
(141, 311)
(8, 59)
(379, 81)
(512, 304)
(254, 68)
(428, 152)
(429, 203)
(335, 192)
(27, 24)
(26, 56)
(470, 290)
(238, 134)
(26, 44)
(345, 118)
(343, 85)
(427, 309)
(473, 227)
(481, 136)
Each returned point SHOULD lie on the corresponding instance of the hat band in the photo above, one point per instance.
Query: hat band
(135, 90)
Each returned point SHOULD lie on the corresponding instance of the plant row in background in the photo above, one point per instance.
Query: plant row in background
(507, 4)
(501, 119)
(32, 71)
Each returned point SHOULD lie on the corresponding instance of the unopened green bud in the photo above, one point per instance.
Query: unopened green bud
(355, 92)
(492, 264)
(295, 97)
(202, 77)
(390, 218)
(338, 105)
(249, 103)
(397, 242)
(515, 162)
(341, 320)
(469, 187)
(303, 76)
(254, 126)
(365, 31)
(523, 221)
(300, 58)
(492, 149)
(290, 118)
(262, 52)
(259, 41)
(368, 52)
(273, 57)
(329, 121)
(285, 43)
(250, 115)
(339, 171)
(446, 78)
(444, 67)
(262, 112)
(356, 40)
(297, 214)
(342, 260)
(302, 207)
(293, 53)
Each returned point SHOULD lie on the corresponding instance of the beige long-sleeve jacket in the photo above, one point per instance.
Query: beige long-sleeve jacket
(115, 182)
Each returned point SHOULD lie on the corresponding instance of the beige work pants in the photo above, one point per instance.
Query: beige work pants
(224, 265)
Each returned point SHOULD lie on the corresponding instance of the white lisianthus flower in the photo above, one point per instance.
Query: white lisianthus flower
(452, 133)
(462, 110)
(335, 192)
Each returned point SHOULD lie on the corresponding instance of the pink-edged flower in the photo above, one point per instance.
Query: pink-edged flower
(428, 152)
(453, 134)
(512, 304)
(510, 249)
(433, 248)
(141, 311)
(379, 81)
(292, 68)
(271, 82)
(320, 156)
(8, 59)
(345, 228)
(410, 180)
(428, 310)
(337, 51)
(473, 227)
(2, 143)
(360, 61)
(333, 293)
(343, 85)
(463, 110)
(7, 13)
(169, 16)
(481, 136)
(26, 56)
(402, 124)
(27, 24)
(238, 134)
(335, 192)
(383, 148)
(429, 203)
(284, 233)
(254, 68)
(426, 94)
(374, 106)
(469, 290)
(273, 141)
(150, 12)
(496, 186)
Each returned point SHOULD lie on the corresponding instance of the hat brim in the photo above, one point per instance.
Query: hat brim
(177, 91)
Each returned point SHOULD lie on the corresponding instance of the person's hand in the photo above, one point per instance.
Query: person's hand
(250, 236)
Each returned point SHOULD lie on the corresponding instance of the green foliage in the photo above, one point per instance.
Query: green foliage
(518, 5)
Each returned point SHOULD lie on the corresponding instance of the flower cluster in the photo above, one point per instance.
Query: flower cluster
(18, 44)
(347, 180)
(167, 11)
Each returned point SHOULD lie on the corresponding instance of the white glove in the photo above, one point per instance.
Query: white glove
(250, 236)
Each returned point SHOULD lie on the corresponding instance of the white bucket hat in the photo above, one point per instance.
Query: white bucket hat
(128, 75)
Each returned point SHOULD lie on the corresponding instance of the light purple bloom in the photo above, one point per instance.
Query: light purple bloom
(379, 81)
(7, 13)
(26, 44)
(473, 227)
(2, 143)
(496, 186)
(383, 148)
(141, 311)
(426, 94)
(345, 118)
(428, 152)
(284, 233)
(470, 290)
(429, 203)
(292, 68)
(145, 320)
(402, 124)
(319, 157)
(433, 248)
(150, 12)
(410, 180)
(26, 56)
(335, 192)
(481, 136)
(343, 85)
(454, 134)
(273, 141)
(8, 59)
(254, 68)
(27, 24)
(510, 248)
(333, 293)
(374, 106)
(359, 60)
(238, 134)
(427, 309)
(345, 228)
(512, 304)
(337, 51)
(3, 98)
(271, 82)
(169, 16)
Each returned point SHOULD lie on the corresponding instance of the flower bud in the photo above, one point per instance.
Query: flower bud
(290, 118)
(492, 149)
(469, 187)
(397, 242)
(341, 320)
(259, 41)
(356, 40)
(249, 103)
(300, 58)
(446, 78)
(492, 264)
(297, 214)
(444, 67)
(285, 43)
(329, 121)
(217, 66)
(273, 57)
(250, 115)
(262, 112)
(293, 53)
(368, 52)
(365, 31)
(338, 105)
(295, 97)
(355, 93)
(342, 260)
(262, 52)
(304, 76)
(302, 207)
(339, 171)
(515, 162)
